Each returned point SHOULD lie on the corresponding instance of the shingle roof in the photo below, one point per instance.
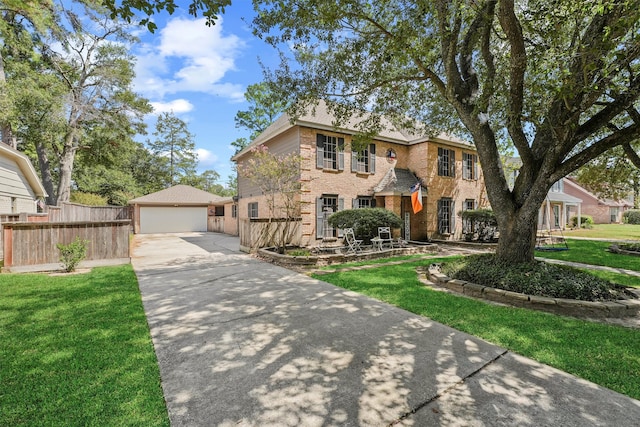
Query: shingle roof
(396, 181)
(180, 195)
(321, 118)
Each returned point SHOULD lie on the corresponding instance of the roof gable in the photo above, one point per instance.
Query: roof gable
(26, 167)
(179, 195)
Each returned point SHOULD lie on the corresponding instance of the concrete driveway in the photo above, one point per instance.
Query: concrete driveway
(243, 342)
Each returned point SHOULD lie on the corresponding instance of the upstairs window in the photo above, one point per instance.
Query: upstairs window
(329, 152)
(253, 210)
(557, 187)
(364, 161)
(469, 166)
(446, 162)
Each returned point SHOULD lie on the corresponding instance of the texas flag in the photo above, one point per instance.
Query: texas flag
(416, 197)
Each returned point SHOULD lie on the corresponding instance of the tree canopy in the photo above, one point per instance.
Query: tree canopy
(127, 9)
(558, 80)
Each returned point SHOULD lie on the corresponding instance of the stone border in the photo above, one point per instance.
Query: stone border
(328, 259)
(616, 250)
(569, 307)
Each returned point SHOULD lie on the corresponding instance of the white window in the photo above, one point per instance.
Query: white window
(329, 152)
(446, 162)
(446, 219)
(326, 205)
(469, 166)
(253, 210)
(557, 187)
(362, 202)
(364, 161)
(234, 211)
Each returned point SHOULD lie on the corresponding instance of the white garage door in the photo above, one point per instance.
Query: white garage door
(169, 219)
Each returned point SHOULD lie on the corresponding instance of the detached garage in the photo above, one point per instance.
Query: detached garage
(177, 209)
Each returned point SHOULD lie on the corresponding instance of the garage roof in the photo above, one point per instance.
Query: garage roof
(182, 195)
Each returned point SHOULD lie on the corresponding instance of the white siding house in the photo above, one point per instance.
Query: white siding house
(20, 187)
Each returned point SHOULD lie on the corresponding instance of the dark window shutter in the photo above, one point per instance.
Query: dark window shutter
(373, 203)
(452, 162)
(319, 218)
(452, 217)
(340, 207)
(440, 167)
(320, 139)
(476, 175)
(354, 161)
(354, 203)
(440, 216)
(372, 158)
(340, 154)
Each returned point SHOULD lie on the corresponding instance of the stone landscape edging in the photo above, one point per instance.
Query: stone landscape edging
(563, 306)
(328, 259)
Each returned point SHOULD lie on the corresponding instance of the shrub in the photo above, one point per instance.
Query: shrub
(586, 221)
(365, 222)
(479, 224)
(631, 216)
(73, 253)
(538, 278)
(89, 199)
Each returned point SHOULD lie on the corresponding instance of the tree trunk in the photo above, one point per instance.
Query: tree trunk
(518, 237)
(66, 168)
(45, 173)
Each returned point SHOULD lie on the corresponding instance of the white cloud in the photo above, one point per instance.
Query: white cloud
(189, 56)
(176, 106)
(206, 157)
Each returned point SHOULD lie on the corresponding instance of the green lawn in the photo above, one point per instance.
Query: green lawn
(76, 351)
(607, 231)
(593, 252)
(607, 355)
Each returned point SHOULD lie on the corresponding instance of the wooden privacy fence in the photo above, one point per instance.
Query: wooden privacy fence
(73, 212)
(215, 224)
(35, 243)
(258, 233)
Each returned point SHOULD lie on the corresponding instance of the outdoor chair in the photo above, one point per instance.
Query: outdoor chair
(384, 237)
(353, 245)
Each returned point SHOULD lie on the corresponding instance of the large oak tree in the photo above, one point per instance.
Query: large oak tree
(557, 79)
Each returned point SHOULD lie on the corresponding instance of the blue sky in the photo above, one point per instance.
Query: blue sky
(201, 73)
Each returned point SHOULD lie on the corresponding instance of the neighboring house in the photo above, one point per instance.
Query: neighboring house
(334, 177)
(603, 211)
(20, 188)
(560, 206)
(183, 208)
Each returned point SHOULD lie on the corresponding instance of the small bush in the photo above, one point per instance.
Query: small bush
(539, 278)
(89, 199)
(73, 253)
(365, 222)
(631, 216)
(479, 224)
(586, 221)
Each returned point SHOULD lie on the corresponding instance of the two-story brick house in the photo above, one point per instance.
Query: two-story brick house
(335, 177)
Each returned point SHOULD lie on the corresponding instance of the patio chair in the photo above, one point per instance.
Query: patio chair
(385, 237)
(353, 245)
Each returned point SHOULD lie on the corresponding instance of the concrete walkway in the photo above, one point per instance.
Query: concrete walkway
(243, 342)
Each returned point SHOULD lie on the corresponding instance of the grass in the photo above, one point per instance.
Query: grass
(76, 351)
(607, 231)
(593, 252)
(604, 354)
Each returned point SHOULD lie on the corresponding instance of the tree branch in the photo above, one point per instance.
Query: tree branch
(517, 68)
